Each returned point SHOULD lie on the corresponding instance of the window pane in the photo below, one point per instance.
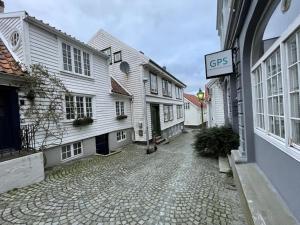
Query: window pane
(79, 107)
(86, 63)
(277, 126)
(276, 104)
(270, 106)
(280, 89)
(66, 49)
(274, 85)
(89, 108)
(282, 129)
(271, 124)
(295, 105)
(77, 60)
(294, 78)
(70, 111)
(153, 83)
(117, 109)
(296, 131)
(292, 51)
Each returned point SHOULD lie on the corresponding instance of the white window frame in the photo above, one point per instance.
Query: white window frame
(179, 109)
(286, 146)
(84, 62)
(73, 156)
(120, 56)
(178, 92)
(74, 96)
(120, 108)
(153, 90)
(122, 134)
(168, 113)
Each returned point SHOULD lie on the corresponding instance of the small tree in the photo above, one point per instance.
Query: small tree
(45, 92)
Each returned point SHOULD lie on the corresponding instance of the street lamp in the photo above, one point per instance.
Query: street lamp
(200, 96)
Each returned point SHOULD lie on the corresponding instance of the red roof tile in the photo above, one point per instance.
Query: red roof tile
(8, 64)
(193, 99)
(117, 88)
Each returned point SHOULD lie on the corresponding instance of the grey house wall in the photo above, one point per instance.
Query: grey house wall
(53, 155)
(114, 144)
(282, 170)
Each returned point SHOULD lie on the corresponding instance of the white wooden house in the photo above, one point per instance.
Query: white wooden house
(193, 111)
(164, 92)
(84, 71)
(215, 103)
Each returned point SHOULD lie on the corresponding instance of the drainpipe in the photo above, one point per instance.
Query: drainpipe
(145, 80)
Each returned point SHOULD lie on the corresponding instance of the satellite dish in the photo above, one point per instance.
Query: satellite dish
(124, 67)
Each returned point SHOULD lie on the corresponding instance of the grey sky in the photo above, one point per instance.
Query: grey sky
(173, 33)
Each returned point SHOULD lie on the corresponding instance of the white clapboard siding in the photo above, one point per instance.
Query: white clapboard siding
(134, 81)
(44, 48)
(216, 105)
(7, 27)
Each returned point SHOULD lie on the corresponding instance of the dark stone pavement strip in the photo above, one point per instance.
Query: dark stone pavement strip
(170, 186)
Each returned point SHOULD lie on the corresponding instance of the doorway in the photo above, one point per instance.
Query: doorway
(102, 144)
(9, 119)
(155, 120)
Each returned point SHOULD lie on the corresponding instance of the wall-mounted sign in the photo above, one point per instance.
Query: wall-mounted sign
(219, 64)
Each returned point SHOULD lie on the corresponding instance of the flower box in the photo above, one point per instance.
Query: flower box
(82, 121)
(121, 117)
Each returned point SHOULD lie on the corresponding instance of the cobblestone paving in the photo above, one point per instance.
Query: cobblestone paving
(170, 186)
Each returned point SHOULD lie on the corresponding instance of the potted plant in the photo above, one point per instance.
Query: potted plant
(82, 121)
(121, 117)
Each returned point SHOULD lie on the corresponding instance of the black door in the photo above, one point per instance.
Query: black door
(102, 144)
(155, 120)
(9, 119)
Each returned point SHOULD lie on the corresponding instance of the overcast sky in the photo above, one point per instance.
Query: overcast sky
(176, 34)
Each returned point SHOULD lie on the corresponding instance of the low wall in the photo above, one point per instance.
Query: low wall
(21, 172)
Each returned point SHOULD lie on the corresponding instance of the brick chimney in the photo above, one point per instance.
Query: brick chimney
(1, 6)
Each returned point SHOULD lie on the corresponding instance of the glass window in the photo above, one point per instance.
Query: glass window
(120, 109)
(66, 152)
(107, 52)
(275, 95)
(89, 108)
(71, 150)
(117, 56)
(77, 148)
(67, 61)
(77, 60)
(259, 102)
(86, 64)
(15, 39)
(70, 111)
(168, 113)
(293, 52)
(179, 111)
(153, 83)
(121, 135)
(79, 107)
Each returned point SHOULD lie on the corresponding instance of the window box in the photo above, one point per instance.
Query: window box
(82, 121)
(121, 117)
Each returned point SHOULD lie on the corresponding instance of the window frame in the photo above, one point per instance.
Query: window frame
(123, 135)
(153, 91)
(178, 92)
(110, 56)
(168, 112)
(75, 109)
(165, 88)
(83, 62)
(287, 146)
(120, 108)
(179, 110)
(72, 151)
(116, 53)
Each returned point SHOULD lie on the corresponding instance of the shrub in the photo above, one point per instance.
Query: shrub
(216, 141)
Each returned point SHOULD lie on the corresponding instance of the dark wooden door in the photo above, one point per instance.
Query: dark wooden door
(102, 144)
(155, 120)
(9, 119)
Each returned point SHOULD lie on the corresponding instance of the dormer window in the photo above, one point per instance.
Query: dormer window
(15, 40)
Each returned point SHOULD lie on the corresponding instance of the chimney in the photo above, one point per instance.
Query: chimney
(1, 6)
(164, 67)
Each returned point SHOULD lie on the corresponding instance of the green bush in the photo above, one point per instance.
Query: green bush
(216, 141)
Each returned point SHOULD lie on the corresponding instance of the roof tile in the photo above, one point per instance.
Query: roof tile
(117, 88)
(193, 99)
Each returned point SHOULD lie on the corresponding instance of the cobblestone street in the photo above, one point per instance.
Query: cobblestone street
(170, 186)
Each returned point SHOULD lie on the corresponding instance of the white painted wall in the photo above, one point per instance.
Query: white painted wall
(21, 172)
(44, 47)
(192, 116)
(215, 114)
(134, 82)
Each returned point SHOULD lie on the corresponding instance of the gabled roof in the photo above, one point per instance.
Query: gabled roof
(118, 89)
(8, 65)
(193, 99)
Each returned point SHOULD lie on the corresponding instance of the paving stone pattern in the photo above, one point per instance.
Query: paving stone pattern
(170, 186)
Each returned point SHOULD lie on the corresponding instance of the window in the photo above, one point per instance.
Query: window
(179, 111)
(187, 105)
(67, 57)
(275, 95)
(153, 83)
(71, 150)
(117, 57)
(15, 40)
(78, 107)
(107, 52)
(77, 60)
(259, 102)
(80, 63)
(86, 64)
(70, 111)
(293, 52)
(168, 113)
(167, 88)
(178, 92)
(121, 135)
(120, 108)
